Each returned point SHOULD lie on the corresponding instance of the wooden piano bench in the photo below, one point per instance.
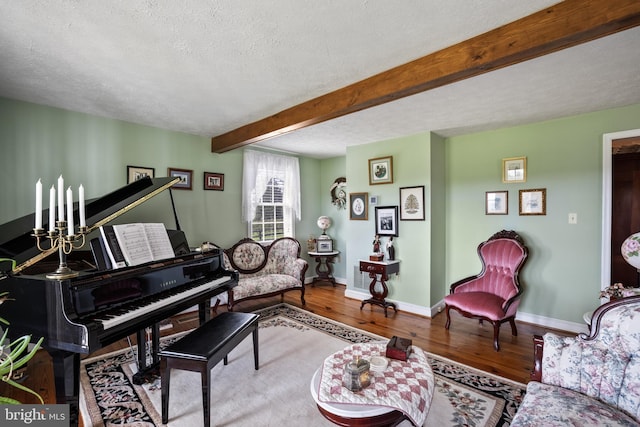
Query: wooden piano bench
(201, 349)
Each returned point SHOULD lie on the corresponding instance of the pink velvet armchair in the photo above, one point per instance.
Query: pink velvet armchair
(494, 294)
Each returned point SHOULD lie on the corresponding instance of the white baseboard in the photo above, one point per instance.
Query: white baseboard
(552, 323)
(535, 319)
(404, 306)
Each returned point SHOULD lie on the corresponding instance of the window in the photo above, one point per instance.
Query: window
(271, 195)
(272, 219)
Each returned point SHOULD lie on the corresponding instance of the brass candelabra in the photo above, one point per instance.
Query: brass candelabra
(65, 244)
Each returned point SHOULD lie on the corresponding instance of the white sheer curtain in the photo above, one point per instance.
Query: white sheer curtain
(258, 168)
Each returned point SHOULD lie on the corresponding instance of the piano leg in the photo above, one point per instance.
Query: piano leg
(147, 373)
(66, 373)
(204, 310)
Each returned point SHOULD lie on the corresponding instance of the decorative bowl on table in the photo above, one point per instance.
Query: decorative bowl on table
(378, 363)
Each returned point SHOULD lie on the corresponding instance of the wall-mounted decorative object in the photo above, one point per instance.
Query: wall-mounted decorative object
(496, 203)
(359, 209)
(381, 170)
(338, 194)
(373, 200)
(214, 181)
(514, 169)
(412, 203)
(387, 221)
(134, 173)
(533, 202)
(185, 175)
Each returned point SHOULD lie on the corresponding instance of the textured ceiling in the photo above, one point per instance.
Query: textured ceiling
(207, 67)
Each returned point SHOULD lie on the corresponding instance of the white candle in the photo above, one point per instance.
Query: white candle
(60, 198)
(52, 208)
(83, 222)
(70, 211)
(38, 204)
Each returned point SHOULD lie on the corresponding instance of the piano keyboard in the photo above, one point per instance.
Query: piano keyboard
(115, 320)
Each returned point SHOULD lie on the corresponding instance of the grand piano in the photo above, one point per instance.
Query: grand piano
(79, 315)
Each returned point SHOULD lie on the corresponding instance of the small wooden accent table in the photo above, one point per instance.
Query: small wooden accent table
(324, 259)
(384, 269)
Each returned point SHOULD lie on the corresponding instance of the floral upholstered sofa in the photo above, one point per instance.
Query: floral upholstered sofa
(264, 270)
(588, 380)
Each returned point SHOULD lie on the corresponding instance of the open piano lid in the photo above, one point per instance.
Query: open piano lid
(18, 243)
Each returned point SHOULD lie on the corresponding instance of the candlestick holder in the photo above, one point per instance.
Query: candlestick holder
(64, 243)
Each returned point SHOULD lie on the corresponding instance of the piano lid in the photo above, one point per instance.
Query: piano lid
(17, 242)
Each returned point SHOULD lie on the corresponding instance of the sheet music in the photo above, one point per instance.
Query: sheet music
(138, 242)
(133, 242)
(159, 241)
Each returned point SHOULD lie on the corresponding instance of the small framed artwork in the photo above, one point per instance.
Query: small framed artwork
(381, 170)
(134, 173)
(514, 169)
(533, 202)
(412, 203)
(496, 203)
(214, 181)
(387, 221)
(358, 206)
(373, 200)
(185, 175)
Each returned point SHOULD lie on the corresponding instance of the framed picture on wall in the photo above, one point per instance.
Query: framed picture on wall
(387, 221)
(533, 202)
(496, 203)
(358, 206)
(185, 175)
(381, 170)
(514, 169)
(214, 181)
(135, 173)
(412, 203)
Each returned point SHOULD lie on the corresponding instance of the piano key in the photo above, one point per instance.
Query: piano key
(116, 320)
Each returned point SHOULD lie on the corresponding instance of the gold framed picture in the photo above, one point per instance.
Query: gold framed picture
(381, 170)
(514, 169)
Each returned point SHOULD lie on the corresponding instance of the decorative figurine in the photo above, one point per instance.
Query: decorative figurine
(391, 251)
(376, 244)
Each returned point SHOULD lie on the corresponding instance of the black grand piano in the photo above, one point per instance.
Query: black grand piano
(79, 315)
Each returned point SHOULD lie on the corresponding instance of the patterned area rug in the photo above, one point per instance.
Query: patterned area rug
(293, 344)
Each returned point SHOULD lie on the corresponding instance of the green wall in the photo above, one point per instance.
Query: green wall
(564, 156)
(330, 170)
(412, 158)
(562, 276)
(42, 142)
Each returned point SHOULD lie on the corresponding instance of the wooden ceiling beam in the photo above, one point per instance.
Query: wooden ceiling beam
(563, 25)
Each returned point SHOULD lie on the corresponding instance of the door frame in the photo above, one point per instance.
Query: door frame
(607, 143)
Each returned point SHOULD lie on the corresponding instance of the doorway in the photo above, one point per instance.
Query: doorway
(610, 254)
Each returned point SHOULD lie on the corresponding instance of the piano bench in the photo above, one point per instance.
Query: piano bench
(201, 349)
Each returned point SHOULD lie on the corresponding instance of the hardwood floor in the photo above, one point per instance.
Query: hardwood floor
(467, 341)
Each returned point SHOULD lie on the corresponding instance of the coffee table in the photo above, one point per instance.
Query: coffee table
(345, 414)
(403, 390)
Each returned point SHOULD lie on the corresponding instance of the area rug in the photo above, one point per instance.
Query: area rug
(293, 344)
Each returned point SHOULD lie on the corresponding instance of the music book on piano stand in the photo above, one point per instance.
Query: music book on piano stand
(112, 247)
(141, 242)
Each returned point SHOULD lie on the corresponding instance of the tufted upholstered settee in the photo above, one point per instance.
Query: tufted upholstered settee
(588, 380)
(264, 270)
